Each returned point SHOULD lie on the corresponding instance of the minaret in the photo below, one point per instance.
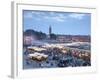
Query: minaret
(50, 31)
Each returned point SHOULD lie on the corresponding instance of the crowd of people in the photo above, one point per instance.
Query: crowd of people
(60, 57)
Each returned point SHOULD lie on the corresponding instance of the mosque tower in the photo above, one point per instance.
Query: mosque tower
(50, 32)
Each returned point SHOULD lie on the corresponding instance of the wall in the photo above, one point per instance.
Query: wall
(5, 38)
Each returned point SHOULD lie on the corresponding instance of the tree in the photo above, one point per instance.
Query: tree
(39, 35)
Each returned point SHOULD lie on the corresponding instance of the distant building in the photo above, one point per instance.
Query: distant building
(69, 38)
(61, 38)
(75, 38)
(81, 38)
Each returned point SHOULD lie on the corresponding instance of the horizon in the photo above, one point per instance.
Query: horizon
(62, 34)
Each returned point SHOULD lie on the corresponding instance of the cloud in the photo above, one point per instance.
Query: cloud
(52, 16)
(33, 15)
(45, 15)
(55, 17)
(76, 16)
(28, 15)
(38, 13)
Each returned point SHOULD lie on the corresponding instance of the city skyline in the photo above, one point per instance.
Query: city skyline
(66, 23)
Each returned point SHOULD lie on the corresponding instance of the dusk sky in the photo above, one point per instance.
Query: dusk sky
(68, 23)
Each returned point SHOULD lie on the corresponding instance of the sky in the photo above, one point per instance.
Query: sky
(66, 23)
